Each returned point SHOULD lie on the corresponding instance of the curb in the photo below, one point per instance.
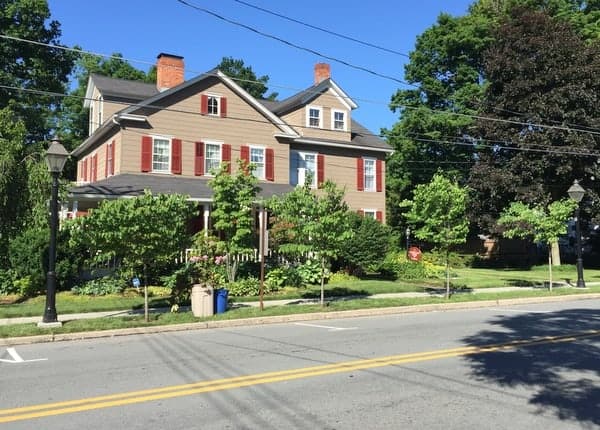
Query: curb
(280, 319)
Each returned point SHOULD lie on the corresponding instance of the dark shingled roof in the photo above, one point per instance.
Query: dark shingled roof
(122, 88)
(130, 184)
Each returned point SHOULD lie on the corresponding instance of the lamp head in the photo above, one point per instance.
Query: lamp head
(56, 157)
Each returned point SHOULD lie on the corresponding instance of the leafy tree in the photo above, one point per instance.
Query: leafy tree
(542, 223)
(245, 77)
(366, 249)
(31, 66)
(437, 214)
(316, 223)
(540, 71)
(141, 232)
(233, 198)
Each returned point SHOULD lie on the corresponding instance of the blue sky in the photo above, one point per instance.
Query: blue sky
(141, 29)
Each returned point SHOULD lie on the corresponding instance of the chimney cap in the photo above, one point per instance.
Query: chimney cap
(164, 54)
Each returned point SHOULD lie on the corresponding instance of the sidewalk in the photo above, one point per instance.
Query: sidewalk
(130, 312)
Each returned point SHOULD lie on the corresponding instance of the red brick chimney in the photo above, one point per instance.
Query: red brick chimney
(169, 71)
(322, 72)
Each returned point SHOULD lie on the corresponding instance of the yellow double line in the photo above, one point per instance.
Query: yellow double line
(132, 397)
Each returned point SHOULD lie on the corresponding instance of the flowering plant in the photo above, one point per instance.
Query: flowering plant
(207, 263)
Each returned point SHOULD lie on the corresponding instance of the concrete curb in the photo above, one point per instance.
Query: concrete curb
(437, 307)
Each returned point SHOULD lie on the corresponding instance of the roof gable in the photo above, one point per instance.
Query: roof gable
(303, 98)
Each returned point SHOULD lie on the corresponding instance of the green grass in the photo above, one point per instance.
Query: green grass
(74, 326)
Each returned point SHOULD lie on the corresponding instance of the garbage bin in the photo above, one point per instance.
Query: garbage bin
(221, 300)
(202, 300)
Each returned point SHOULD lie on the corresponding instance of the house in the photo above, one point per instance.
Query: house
(168, 137)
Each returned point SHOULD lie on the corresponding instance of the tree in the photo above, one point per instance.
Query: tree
(540, 71)
(245, 77)
(437, 214)
(141, 232)
(542, 223)
(316, 223)
(233, 199)
(41, 68)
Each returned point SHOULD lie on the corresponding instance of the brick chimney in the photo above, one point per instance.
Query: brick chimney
(169, 71)
(322, 72)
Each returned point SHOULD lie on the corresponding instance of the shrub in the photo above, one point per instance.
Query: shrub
(396, 265)
(310, 272)
(280, 277)
(179, 282)
(28, 254)
(100, 287)
(7, 285)
(244, 287)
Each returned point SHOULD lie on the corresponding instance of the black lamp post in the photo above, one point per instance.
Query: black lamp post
(576, 192)
(56, 157)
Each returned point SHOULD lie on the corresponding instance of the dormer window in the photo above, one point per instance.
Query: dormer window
(314, 116)
(338, 120)
(213, 105)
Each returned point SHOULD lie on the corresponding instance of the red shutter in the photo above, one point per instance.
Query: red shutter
(223, 107)
(361, 212)
(379, 176)
(204, 104)
(94, 175)
(176, 156)
(270, 164)
(199, 159)
(146, 153)
(107, 159)
(85, 175)
(360, 174)
(379, 216)
(112, 158)
(245, 156)
(226, 156)
(79, 170)
(320, 170)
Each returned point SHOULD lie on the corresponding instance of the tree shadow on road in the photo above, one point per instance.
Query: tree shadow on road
(565, 375)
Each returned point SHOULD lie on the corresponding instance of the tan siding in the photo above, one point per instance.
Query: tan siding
(327, 102)
(243, 126)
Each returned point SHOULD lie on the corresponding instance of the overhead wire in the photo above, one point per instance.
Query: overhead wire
(585, 129)
(505, 144)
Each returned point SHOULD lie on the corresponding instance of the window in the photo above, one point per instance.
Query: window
(370, 213)
(339, 120)
(257, 157)
(369, 166)
(161, 149)
(213, 105)
(307, 168)
(314, 116)
(212, 157)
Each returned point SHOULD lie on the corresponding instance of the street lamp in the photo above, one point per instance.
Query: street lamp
(576, 192)
(56, 157)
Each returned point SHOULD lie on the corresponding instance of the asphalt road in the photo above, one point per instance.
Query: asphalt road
(520, 367)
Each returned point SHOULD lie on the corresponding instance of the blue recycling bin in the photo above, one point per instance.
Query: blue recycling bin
(221, 300)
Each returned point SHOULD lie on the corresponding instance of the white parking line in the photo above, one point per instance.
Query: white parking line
(16, 358)
(527, 311)
(329, 328)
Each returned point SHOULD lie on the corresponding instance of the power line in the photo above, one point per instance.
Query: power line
(506, 144)
(324, 30)
(585, 129)
(293, 45)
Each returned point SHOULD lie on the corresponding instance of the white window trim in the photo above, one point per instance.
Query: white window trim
(314, 182)
(218, 97)
(168, 170)
(264, 151)
(374, 188)
(320, 109)
(369, 212)
(100, 111)
(212, 142)
(333, 112)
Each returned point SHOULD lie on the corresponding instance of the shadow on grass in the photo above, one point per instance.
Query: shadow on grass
(335, 292)
(523, 283)
(565, 376)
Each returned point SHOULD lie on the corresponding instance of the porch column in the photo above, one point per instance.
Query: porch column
(206, 214)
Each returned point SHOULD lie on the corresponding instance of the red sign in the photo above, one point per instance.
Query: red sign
(414, 253)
